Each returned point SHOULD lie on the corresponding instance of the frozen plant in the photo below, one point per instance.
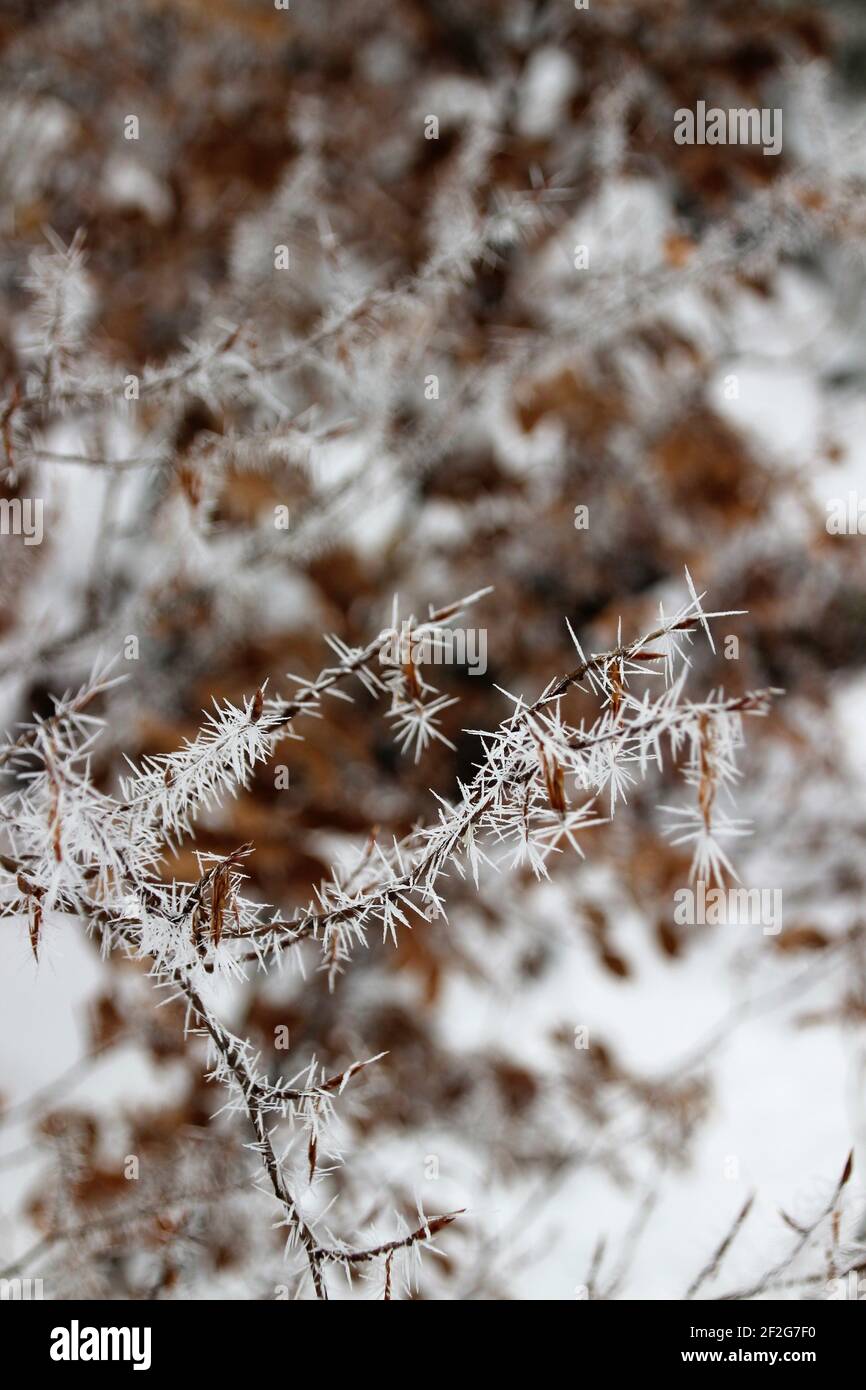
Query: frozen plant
(75, 851)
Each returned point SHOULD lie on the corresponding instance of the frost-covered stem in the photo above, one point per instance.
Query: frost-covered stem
(310, 924)
(601, 660)
(246, 1082)
(804, 1233)
(67, 710)
(317, 1255)
(389, 1247)
(169, 787)
(711, 1268)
